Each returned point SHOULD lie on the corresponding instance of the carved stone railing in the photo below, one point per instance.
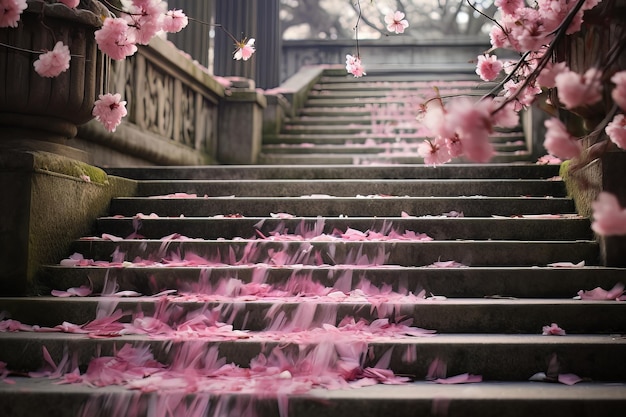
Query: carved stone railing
(172, 111)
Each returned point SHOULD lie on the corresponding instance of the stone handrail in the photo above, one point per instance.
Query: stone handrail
(172, 107)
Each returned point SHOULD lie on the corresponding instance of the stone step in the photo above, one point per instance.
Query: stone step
(477, 282)
(375, 137)
(402, 253)
(247, 312)
(496, 357)
(333, 84)
(399, 147)
(331, 118)
(374, 159)
(351, 188)
(395, 102)
(341, 206)
(513, 399)
(410, 94)
(565, 228)
(308, 171)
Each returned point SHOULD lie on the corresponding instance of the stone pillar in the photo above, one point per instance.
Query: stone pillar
(269, 40)
(239, 17)
(195, 38)
(240, 124)
(40, 113)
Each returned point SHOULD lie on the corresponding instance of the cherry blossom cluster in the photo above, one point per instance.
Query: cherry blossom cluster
(138, 24)
(395, 23)
(461, 127)
(532, 31)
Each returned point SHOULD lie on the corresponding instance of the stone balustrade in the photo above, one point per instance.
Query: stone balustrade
(172, 107)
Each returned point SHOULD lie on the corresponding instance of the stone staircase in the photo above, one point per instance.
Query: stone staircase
(324, 289)
(373, 120)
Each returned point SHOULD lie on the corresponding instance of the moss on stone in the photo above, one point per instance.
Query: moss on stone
(70, 167)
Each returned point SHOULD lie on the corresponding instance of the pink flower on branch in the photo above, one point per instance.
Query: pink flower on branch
(174, 21)
(10, 12)
(575, 90)
(109, 110)
(53, 63)
(609, 218)
(509, 6)
(549, 72)
(434, 152)
(354, 66)
(245, 49)
(488, 67)
(115, 40)
(559, 142)
(145, 19)
(616, 130)
(396, 22)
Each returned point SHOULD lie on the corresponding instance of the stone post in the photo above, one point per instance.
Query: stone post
(240, 124)
(48, 201)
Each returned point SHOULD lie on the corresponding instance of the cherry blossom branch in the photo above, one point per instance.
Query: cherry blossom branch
(31, 51)
(473, 6)
(546, 56)
(509, 76)
(119, 10)
(356, 26)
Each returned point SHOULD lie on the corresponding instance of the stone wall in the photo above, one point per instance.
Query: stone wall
(389, 54)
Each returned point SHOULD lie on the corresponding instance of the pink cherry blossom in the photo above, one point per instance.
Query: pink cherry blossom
(455, 146)
(523, 98)
(174, 21)
(145, 19)
(509, 6)
(619, 92)
(488, 67)
(506, 116)
(70, 3)
(245, 49)
(53, 63)
(498, 37)
(609, 218)
(434, 152)
(115, 40)
(559, 142)
(354, 66)
(396, 22)
(10, 12)
(549, 72)
(576, 90)
(109, 110)
(616, 130)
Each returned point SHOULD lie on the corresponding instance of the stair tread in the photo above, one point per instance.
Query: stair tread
(329, 171)
(423, 390)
